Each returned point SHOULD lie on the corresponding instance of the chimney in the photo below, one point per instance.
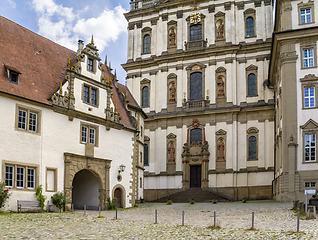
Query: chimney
(80, 47)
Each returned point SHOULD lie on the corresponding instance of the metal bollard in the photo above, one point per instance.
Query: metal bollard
(84, 209)
(183, 218)
(48, 206)
(252, 220)
(116, 213)
(72, 208)
(98, 210)
(156, 216)
(298, 216)
(214, 218)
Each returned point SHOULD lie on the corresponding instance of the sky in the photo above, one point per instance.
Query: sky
(67, 21)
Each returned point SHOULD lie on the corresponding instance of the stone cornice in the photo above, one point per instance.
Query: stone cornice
(204, 53)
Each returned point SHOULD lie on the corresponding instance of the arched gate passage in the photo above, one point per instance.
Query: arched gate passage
(86, 190)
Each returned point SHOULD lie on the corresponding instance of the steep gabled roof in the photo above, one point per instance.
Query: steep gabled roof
(41, 62)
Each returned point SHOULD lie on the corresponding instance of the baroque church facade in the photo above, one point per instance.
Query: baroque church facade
(68, 124)
(199, 70)
(231, 96)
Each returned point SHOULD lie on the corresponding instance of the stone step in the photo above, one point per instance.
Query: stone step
(197, 194)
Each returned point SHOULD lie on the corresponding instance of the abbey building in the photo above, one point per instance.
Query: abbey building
(231, 105)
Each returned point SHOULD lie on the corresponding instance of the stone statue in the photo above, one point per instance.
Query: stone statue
(185, 149)
(220, 29)
(205, 147)
(221, 150)
(171, 152)
(172, 37)
(220, 83)
(172, 92)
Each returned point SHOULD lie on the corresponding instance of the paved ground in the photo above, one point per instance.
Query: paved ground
(272, 221)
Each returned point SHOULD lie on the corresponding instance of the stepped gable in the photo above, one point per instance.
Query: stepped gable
(41, 62)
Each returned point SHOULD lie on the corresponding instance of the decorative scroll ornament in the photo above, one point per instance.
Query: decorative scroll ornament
(195, 18)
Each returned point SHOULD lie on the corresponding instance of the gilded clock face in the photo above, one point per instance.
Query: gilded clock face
(195, 18)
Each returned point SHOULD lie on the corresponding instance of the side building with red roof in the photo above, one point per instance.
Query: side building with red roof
(67, 124)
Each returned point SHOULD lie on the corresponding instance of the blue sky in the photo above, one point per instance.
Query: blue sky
(67, 21)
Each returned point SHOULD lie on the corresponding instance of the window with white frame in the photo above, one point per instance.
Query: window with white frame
(88, 134)
(9, 176)
(305, 15)
(309, 97)
(308, 58)
(310, 184)
(27, 120)
(20, 177)
(310, 147)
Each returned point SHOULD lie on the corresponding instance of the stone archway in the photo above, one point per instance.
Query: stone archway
(86, 190)
(99, 167)
(119, 193)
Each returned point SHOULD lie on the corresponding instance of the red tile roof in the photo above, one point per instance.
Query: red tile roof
(42, 65)
(41, 62)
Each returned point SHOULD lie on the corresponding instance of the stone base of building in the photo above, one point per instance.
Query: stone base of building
(230, 193)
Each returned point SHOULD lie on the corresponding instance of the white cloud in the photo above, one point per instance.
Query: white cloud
(66, 27)
(12, 3)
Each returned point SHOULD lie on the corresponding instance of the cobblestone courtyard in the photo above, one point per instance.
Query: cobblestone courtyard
(272, 221)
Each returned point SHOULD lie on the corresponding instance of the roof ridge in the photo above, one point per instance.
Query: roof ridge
(35, 33)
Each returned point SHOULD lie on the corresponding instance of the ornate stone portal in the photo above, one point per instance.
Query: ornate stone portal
(99, 167)
(195, 153)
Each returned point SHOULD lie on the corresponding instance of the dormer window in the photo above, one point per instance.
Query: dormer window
(90, 65)
(90, 95)
(12, 74)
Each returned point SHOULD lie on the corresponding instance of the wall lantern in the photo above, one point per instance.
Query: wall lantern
(121, 168)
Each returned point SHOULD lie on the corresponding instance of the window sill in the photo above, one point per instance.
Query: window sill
(302, 24)
(26, 131)
(304, 162)
(247, 37)
(252, 159)
(309, 108)
(252, 96)
(305, 68)
(96, 106)
(22, 189)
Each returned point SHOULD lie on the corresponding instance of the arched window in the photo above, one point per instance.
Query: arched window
(145, 97)
(196, 86)
(196, 32)
(251, 85)
(146, 163)
(146, 44)
(250, 27)
(196, 135)
(252, 148)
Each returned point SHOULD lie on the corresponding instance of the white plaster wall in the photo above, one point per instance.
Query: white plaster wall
(59, 135)
(303, 114)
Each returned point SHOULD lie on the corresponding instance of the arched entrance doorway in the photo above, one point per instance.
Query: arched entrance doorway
(86, 190)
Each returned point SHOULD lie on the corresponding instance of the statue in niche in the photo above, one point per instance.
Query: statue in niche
(171, 152)
(221, 147)
(220, 29)
(172, 37)
(172, 92)
(220, 83)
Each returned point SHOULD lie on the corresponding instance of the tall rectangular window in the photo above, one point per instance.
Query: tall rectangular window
(309, 97)
(84, 134)
(308, 58)
(146, 163)
(22, 119)
(90, 65)
(92, 136)
(86, 94)
(310, 147)
(31, 178)
(90, 95)
(20, 177)
(9, 174)
(32, 121)
(93, 96)
(305, 15)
